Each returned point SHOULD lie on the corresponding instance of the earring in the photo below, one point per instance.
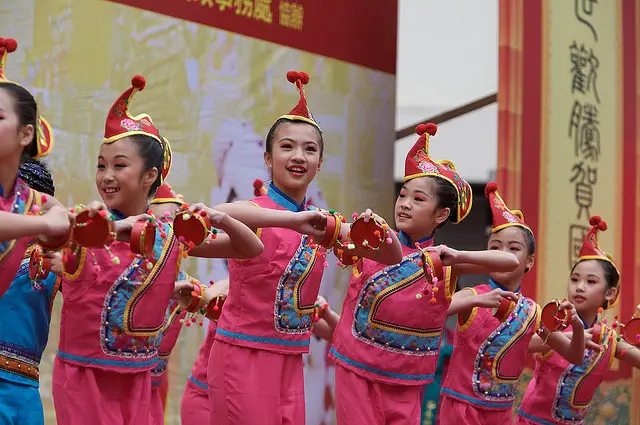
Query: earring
(526, 270)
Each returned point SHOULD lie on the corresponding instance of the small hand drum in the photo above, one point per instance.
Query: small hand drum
(39, 265)
(55, 244)
(431, 260)
(631, 332)
(553, 318)
(214, 309)
(596, 334)
(330, 237)
(143, 237)
(344, 258)
(191, 228)
(93, 232)
(504, 310)
(367, 234)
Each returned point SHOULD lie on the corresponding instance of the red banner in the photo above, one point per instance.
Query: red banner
(354, 31)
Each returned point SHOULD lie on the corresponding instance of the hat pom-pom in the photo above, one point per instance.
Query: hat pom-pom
(10, 44)
(490, 188)
(431, 128)
(257, 184)
(304, 78)
(138, 82)
(597, 221)
(294, 76)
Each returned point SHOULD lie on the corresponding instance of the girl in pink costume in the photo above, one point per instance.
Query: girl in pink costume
(24, 134)
(560, 392)
(489, 353)
(164, 205)
(115, 302)
(255, 373)
(387, 341)
(194, 405)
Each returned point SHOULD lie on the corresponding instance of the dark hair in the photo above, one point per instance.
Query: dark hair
(529, 238)
(26, 108)
(36, 174)
(152, 153)
(611, 275)
(281, 121)
(447, 198)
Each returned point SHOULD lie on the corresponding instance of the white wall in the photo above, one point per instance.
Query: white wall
(448, 56)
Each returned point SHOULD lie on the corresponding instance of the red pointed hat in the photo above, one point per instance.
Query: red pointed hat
(44, 135)
(502, 215)
(420, 164)
(258, 188)
(166, 195)
(590, 249)
(301, 111)
(120, 123)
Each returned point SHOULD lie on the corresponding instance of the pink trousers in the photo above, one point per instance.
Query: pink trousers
(456, 412)
(85, 395)
(156, 411)
(194, 406)
(362, 401)
(257, 387)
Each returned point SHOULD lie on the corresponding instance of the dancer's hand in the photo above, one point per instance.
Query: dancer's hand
(124, 226)
(494, 298)
(216, 218)
(312, 223)
(448, 256)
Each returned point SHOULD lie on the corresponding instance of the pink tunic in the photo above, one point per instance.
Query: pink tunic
(112, 313)
(22, 199)
(109, 330)
(560, 392)
(271, 301)
(385, 334)
(489, 356)
(256, 363)
(169, 336)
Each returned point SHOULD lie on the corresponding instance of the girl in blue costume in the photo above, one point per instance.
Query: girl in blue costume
(23, 135)
(25, 316)
(25, 306)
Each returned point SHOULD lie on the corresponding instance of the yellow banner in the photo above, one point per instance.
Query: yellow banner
(581, 141)
(569, 114)
(581, 154)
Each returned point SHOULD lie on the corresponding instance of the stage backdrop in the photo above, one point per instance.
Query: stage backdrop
(216, 81)
(569, 146)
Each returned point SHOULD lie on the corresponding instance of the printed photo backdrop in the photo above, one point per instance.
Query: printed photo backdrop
(214, 87)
